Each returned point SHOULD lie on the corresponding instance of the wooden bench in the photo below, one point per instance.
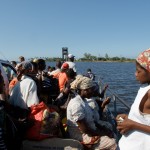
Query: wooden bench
(52, 144)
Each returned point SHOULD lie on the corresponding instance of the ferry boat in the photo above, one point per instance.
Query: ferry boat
(60, 143)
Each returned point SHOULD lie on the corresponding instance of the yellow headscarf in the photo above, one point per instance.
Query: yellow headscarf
(82, 83)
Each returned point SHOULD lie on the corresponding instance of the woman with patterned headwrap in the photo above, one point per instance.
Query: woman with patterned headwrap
(80, 118)
(136, 126)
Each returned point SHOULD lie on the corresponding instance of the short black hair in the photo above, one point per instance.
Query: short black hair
(88, 70)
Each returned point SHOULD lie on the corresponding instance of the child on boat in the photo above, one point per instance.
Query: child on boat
(135, 127)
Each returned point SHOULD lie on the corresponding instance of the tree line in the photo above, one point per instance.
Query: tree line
(90, 57)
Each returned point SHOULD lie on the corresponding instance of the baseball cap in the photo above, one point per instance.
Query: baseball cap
(70, 56)
(65, 66)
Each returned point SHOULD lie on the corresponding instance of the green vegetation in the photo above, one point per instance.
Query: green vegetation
(92, 58)
(89, 57)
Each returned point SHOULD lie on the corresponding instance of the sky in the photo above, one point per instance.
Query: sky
(40, 28)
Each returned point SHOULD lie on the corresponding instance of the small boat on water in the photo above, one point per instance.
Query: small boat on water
(60, 143)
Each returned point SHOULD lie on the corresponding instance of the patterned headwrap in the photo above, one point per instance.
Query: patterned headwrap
(144, 59)
(82, 83)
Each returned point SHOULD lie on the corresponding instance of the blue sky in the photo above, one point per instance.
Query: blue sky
(42, 27)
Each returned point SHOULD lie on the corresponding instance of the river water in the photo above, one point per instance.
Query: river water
(120, 76)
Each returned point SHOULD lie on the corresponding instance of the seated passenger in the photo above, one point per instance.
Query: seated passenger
(2, 88)
(24, 93)
(13, 74)
(2, 115)
(70, 62)
(47, 85)
(89, 74)
(58, 68)
(61, 76)
(64, 97)
(80, 119)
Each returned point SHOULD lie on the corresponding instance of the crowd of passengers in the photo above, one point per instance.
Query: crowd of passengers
(75, 97)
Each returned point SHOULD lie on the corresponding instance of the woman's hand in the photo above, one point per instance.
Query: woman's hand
(125, 126)
(123, 116)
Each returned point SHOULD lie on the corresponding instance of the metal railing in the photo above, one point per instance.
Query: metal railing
(115, 100)
(115, 97)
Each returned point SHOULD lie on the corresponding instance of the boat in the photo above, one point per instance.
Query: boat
(61, 143)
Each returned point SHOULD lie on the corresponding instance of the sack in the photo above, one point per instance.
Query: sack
(46, 123)
(90, 140)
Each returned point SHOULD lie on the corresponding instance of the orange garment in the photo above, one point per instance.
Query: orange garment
(56, 75)
(12, 83)
(62, 79)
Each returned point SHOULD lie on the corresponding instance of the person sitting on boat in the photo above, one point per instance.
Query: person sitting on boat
(24, 93)
(135, 127)
(98, 107)
(2, 114)
(97, 92)
(13, 74)
(22, 96)
(2, 87)
(14, 81)
(80, 119)
(90, 74)
(71, 63)
(61, 76)
(47, 84)
(64, 97)
(58, 68)
(21, 59)
(18, 66)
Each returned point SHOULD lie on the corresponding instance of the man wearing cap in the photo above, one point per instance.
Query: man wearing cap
(71, 62)
(61, 76)
(24, 93)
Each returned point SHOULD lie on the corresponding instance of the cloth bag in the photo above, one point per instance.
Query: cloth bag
(46, 123)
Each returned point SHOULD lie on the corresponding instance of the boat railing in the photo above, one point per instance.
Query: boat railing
(114, 97)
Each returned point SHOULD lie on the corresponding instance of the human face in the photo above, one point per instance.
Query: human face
(142, 75)
(87, 93)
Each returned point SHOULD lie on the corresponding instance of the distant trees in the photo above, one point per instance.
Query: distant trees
(90, 57)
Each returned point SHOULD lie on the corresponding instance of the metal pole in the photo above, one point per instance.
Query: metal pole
(115, 105)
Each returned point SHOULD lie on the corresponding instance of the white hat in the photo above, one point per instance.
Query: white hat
(70, 56)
